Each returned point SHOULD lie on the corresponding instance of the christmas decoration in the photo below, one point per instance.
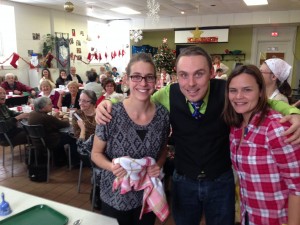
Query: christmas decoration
(136, 35)
(69, 6)
(34, 60)
(48, 44)
(14, 60)
(153, 9)
(165, 58)
(49, 59)
(89, 57)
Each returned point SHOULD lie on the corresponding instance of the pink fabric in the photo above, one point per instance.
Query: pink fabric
(154, 198)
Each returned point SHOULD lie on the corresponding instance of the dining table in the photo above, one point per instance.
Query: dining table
(24, 205)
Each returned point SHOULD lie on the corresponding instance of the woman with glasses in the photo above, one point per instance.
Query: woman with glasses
(139, 128)
(276, 73)
(110, 87)
(86, 113)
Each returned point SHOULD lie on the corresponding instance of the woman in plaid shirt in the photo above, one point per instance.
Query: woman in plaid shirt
(267, 167)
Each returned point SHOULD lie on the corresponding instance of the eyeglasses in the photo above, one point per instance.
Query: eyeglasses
(83, 101)
(138, 78)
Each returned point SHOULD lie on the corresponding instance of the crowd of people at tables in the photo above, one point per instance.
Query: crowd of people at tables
(240, 110)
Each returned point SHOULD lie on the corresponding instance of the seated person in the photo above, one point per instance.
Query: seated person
(110, 86)
(11, 85)
(102, 70)
(70, 99)
(220, 74)
(62, 79)
(48, 91)
(87, 102)
(73, 76)
(16, 134)
(102, 77)
(46, 75)
(93, 84)
(122, 87)
(55, 140)
(115, 72)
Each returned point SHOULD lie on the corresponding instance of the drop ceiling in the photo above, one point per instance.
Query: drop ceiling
(168, 8)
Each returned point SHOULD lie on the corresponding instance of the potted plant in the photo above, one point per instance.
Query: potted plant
(48, 44)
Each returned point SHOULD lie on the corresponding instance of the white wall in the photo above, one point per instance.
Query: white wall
(30, 19)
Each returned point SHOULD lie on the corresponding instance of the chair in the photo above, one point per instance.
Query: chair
(7, 142)
(37, 132)
(15, 101)
(84, 149)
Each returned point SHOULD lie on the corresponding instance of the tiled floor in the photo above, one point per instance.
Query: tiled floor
(62, 186)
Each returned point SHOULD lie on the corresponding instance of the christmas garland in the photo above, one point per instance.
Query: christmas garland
(46, 61)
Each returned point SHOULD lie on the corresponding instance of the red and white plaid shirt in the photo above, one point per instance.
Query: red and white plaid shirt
(268, 170)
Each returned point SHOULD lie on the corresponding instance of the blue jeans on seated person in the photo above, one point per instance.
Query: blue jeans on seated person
(215, 198)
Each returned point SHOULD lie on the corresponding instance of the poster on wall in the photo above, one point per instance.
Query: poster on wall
(63, 52)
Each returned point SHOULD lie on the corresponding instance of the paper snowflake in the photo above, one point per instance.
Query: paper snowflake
(153, 9)
(136, 35)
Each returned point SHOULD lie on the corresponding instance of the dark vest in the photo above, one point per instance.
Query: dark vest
(201, 146)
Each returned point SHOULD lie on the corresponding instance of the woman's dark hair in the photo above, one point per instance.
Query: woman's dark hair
(107, 81)
(62, 70)
(91, 94)
(231, 117)
(285, 89)
(49, 74)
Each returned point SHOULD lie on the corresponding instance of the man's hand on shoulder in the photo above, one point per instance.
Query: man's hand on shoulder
(294, 129)
(103, 111)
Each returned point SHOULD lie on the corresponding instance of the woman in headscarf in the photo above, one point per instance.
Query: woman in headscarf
(276, 72)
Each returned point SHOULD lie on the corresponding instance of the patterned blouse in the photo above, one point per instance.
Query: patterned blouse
(125, 138)
(268, 169)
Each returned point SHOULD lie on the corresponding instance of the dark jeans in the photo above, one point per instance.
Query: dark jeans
(59, 153)
(216, 198)
(130, 217)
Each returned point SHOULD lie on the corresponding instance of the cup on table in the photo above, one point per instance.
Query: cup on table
(10, 93)
(64, 109)
(71, 112)
(19, 108)
(26, 109)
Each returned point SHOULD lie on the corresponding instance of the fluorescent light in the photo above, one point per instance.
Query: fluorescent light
(256, 2)
(125, 10)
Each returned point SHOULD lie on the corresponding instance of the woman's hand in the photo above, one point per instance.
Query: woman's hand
(118, 170)
(103, 111)
(153, 171)
(81, 124)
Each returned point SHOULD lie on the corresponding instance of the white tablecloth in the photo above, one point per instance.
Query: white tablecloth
(20, 201)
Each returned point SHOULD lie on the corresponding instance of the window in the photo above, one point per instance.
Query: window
(110, 39)
(8, 43)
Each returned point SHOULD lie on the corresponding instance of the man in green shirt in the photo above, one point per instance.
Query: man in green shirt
(203, 179)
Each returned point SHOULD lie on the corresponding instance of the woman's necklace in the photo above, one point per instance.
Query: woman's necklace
(88, 118)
